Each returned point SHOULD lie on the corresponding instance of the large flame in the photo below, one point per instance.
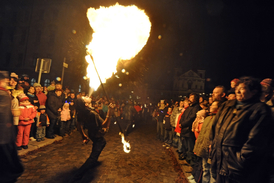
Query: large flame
(120, 32)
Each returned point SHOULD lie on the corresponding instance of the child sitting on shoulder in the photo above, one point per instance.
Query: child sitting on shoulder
(42, 123)
(28, 113)
(65, 120)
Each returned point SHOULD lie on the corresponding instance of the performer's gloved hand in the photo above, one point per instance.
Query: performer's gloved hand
(86, 140)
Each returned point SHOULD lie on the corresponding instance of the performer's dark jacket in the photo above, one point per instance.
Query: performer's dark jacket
(129, 112)
(90, 119)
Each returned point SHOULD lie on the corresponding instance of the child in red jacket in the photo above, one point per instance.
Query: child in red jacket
(28, 113)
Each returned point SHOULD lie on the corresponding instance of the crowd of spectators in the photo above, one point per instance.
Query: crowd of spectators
(40, 112)
(225, 138)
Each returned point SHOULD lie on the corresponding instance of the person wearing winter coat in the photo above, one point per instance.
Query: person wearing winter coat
(186, 123)
(178, 129)
(13, 84)
(26, 118)
(242, 134)
(35, 102)
(201, 148)
(54, 107)
(175, 113)
(168, 128)
(65, 120)
(198, 122)
(42, 97)
(162, 110)
(71, 100)
(42, 122)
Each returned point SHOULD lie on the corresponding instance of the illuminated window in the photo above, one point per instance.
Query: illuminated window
(47, 82)
(32, 81)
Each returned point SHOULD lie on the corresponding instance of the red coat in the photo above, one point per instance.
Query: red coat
(178, 128)
(27, 111)
(42, 98)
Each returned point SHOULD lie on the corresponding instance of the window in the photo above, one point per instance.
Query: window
(32, 81)
(47, 82)
(79, 88)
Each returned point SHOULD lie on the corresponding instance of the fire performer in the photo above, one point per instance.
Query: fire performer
(89, 118)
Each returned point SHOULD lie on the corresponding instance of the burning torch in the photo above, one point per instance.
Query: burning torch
(119, 33)
(121, 133)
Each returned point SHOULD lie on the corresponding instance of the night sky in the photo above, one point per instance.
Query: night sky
(227, 38)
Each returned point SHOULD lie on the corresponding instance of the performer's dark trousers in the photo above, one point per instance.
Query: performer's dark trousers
(98, 145)
(128, 126)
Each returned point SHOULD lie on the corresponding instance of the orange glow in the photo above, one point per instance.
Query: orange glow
(120, 32)
(125, 143)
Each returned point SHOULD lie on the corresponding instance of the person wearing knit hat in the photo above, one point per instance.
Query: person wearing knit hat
(267, 90)
(13, 80)
(268, 81)
(22, 97)
(42, 97)
(26, 118)
(42, 122)
(198, 122)
(233, 84)
(13, 75)
(13, 83)
(36, 85)
(42, 107)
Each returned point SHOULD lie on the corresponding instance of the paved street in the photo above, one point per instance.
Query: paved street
(148, 161)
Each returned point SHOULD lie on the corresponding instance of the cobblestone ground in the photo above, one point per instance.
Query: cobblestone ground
(148, 161)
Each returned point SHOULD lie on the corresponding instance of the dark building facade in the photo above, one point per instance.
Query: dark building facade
(51, 29)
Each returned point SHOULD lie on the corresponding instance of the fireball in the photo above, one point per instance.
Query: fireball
(119, 33)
